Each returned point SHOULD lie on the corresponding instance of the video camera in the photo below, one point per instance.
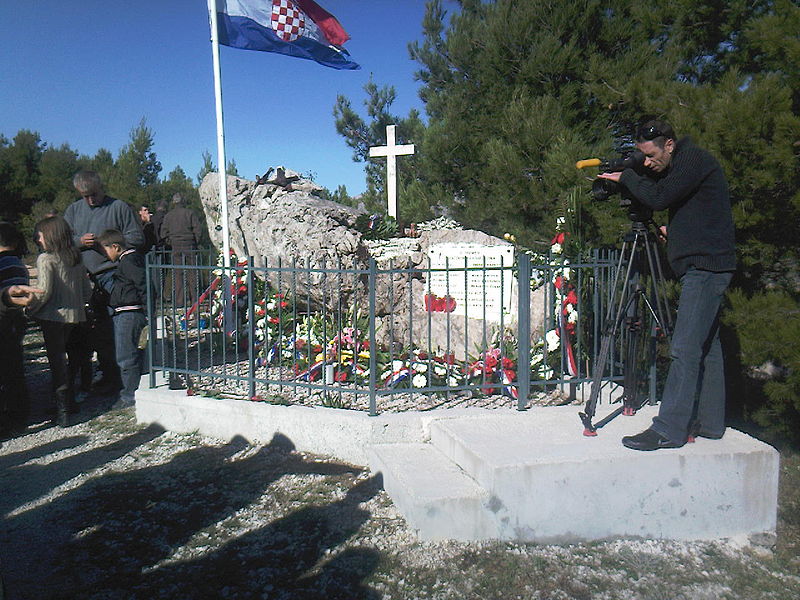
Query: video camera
(603, 189)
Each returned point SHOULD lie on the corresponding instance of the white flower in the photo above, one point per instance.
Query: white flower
(439, 370)
(453, 381)
(567, 272)
(569, 308)
(546, 372)
(573, 317)
(397, 365)
(536, 359)
(419, 380)
(419, 367)
(560, 221)
(552, 340)
(270, 305)
(555, 248)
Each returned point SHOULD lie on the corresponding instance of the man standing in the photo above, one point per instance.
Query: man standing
(88, 217)
(182, 230)
(688, 182)
(157, 219)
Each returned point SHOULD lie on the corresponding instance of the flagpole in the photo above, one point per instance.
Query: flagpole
(223, 179)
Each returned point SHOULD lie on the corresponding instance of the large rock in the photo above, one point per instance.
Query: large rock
(282, 220)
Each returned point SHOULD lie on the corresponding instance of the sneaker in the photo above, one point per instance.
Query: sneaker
(649, 439)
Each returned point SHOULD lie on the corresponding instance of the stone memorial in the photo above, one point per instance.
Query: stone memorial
(281, 217)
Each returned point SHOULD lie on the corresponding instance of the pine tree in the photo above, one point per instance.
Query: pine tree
(517, 91)
(208, 166)
(136, 168)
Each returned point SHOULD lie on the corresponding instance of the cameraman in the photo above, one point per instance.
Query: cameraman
(688, 182)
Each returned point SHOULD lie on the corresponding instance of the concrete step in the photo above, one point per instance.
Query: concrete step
(435, 496)
(559, 486)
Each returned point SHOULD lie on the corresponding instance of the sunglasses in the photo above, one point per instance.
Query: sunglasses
(650, 133)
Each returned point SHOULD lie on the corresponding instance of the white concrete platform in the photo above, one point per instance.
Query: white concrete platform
(473, 474)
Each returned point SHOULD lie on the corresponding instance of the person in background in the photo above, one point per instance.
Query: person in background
(157, 219)
(88, 217)
(60, 307)
(182, 230)
(14, 399)
(128, 301)
(148, 229)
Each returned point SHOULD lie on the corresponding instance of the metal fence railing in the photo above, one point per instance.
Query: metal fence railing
(379, 338)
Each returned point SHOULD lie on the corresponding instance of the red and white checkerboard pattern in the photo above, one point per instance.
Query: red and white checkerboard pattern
(288, 21)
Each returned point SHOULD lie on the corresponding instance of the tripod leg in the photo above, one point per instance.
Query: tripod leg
(597, 376)
(635, 365)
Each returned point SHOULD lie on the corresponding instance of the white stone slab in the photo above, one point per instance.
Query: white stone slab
(436, 497)
(561, 486)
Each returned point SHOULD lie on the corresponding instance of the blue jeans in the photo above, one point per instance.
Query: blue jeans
(695, 385)
(128, 327)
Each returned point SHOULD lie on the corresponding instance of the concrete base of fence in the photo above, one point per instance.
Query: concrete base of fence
(343, 434)
(472, 474)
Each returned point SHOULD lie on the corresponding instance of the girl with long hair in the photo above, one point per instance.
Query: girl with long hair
(60, 307)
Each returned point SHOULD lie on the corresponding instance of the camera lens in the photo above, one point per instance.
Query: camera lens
(603, 188)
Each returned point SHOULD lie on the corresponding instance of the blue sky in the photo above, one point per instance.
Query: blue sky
(86, 72)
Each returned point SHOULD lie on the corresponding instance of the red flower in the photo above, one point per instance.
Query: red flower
(572, 298)
(340, 376)
(559, 239)
(274, 320)
(508, 363)
(559, 282)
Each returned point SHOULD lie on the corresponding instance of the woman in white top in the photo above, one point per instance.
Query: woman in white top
(66, 286)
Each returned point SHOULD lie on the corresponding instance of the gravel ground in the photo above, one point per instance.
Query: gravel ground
(110, 509)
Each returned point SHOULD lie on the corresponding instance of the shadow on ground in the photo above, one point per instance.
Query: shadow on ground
(182, 528)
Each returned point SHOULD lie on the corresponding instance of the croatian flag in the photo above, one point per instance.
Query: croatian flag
(298, 28)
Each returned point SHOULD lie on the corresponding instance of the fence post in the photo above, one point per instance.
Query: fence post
(251, 331)
(524, 332)
(373, 354)
(152, 326)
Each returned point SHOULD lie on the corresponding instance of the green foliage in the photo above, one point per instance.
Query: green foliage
(208, 166)
(231, 169)
(767, 327)
(136, 169)
(517, 91)
(376, 227)
(36, 179)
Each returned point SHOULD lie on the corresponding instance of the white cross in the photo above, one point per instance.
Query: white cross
(391, 151)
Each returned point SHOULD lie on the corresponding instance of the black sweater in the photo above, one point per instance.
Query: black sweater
(129, 288)
(694, 189)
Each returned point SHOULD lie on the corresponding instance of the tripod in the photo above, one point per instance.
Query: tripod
(640, 266)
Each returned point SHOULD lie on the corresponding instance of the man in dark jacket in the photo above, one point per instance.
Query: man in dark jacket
(182, 230)
(158, 220)
(88, 217)
(688, 182)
